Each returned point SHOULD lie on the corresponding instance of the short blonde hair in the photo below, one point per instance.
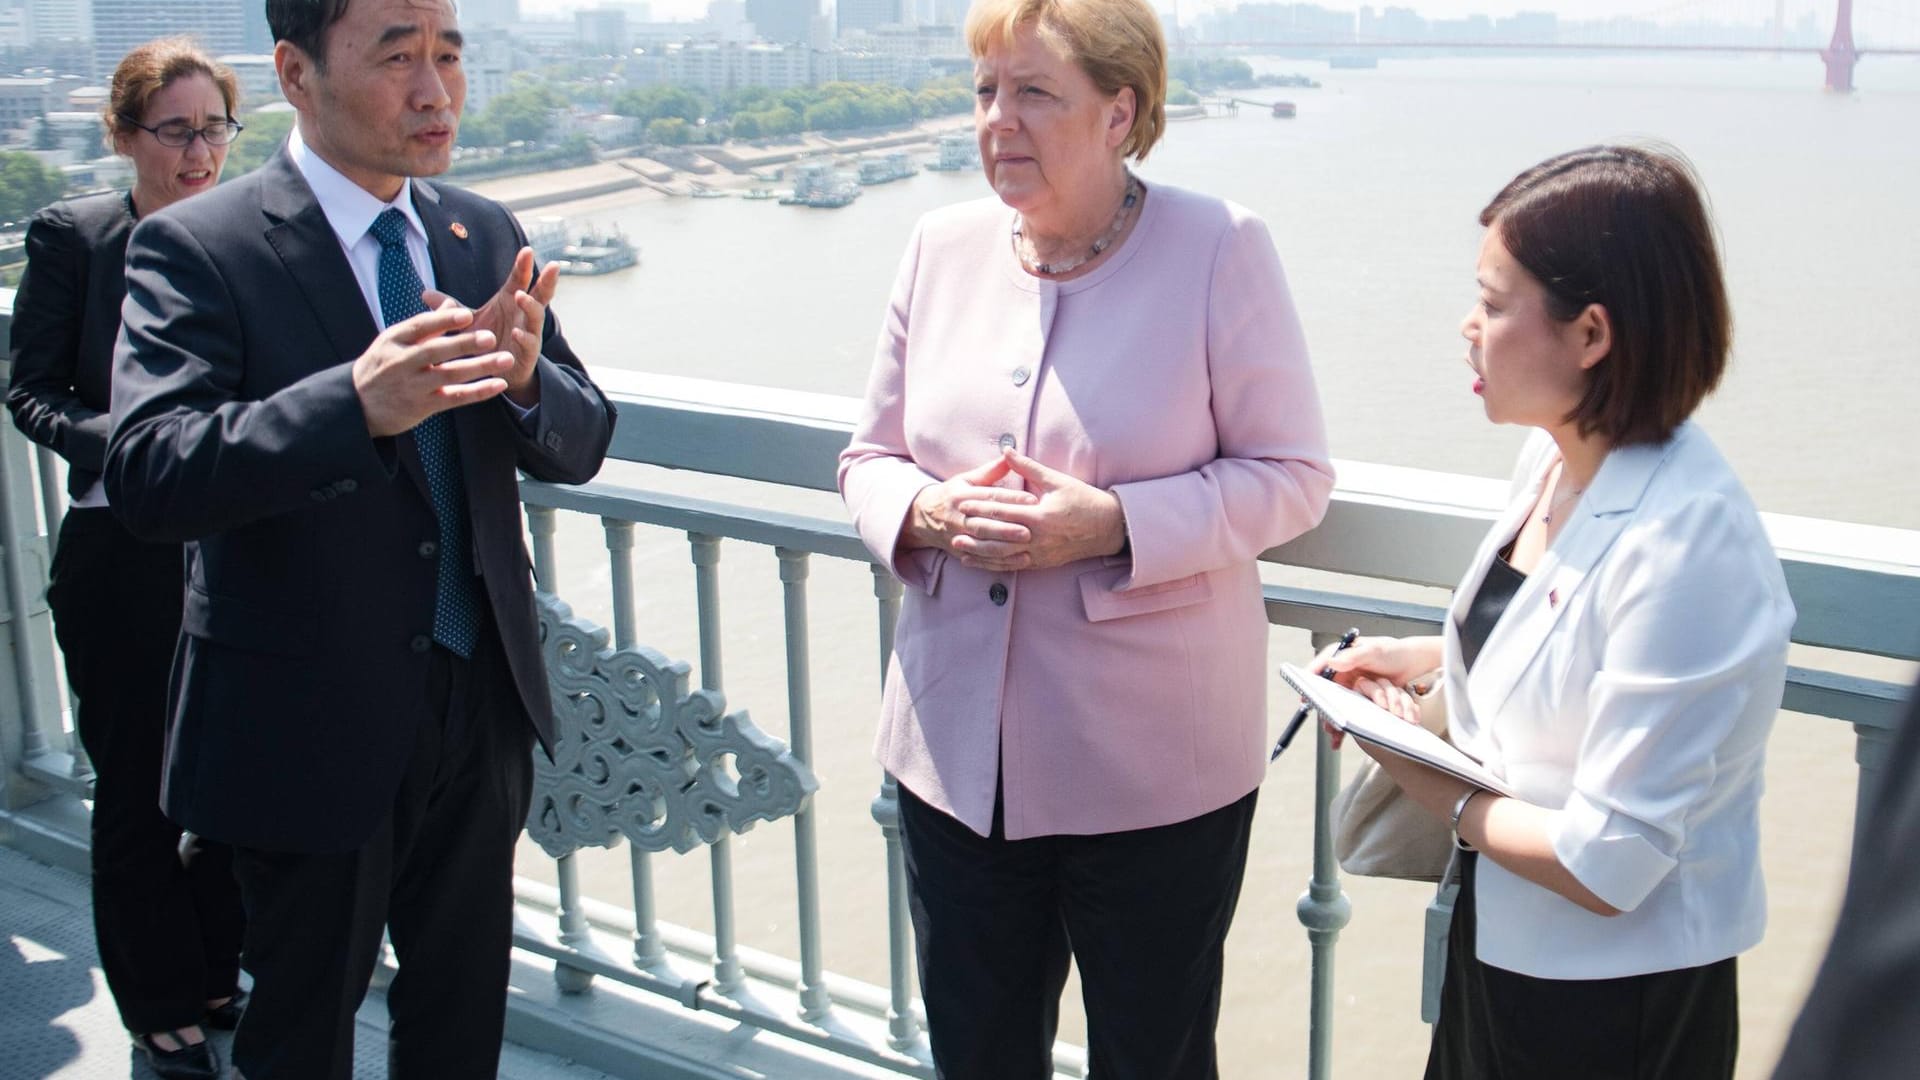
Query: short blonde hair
(1118, 44)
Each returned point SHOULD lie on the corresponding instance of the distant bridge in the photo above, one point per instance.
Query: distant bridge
(1840, 54)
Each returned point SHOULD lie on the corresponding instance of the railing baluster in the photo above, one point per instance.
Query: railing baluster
(648, 949)
(814, 1002)
(727, 974)
(1323, 909)
(53, 510)
(16, 528)
(903, 1030)
(573, 927)
(53, 501)
(540, 526)
(572, 919)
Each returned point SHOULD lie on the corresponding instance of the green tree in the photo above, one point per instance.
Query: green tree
(525, 113)
(669, 131)
(26, 185)
(262, 138)
(651, 103)
(481, 130)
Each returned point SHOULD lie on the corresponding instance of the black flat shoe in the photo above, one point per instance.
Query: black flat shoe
(197, 1062)
(227, 1017)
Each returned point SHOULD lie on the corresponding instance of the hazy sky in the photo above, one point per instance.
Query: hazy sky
(1880, 13)
(1730, 10)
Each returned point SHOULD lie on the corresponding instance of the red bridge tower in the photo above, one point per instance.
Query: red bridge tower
(1840, 54)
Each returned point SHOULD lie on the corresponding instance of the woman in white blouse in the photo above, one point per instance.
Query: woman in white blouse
(1616, 652)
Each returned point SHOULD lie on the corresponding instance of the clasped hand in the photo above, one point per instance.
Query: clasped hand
(1058, 519)
(450, 355)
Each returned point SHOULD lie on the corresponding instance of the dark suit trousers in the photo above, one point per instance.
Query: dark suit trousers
(169, 935)
(1145, 914)
(437, 875)
(1501, 1025)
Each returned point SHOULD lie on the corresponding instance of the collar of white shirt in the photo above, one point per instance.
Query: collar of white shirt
(350, 208)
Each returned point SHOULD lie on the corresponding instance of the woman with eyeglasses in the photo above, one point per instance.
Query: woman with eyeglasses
(167, 914)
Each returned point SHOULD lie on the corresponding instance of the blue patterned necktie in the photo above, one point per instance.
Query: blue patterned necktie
(456, 601)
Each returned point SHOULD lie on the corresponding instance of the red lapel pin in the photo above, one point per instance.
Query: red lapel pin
(459, 230)
(1553, 598)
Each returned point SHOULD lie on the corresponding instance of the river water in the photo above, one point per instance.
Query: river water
(1371, 194)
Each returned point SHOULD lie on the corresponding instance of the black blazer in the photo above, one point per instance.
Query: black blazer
(302, 668)
(66, 317)
(1858, 1021)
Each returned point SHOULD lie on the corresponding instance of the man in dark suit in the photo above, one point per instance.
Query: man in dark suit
(1859, 1020)
(330, 372)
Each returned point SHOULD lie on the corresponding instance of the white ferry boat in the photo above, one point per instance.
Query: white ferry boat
(959, 151)
(883, 170)
(816, 183)
(599, 252)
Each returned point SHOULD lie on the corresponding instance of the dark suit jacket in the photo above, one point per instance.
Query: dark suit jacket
(302, 669)
(1862, 1018)
(66, 318)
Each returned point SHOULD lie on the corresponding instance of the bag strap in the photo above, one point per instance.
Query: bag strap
(1433, 960)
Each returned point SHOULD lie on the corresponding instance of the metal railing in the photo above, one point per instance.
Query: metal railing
(1857, 588)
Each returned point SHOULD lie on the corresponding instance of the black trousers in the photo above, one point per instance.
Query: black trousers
(1501, 1025)
(1145, 913)
(437, 875)
(169, 935)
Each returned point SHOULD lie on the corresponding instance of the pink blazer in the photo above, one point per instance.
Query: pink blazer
(1108, 694)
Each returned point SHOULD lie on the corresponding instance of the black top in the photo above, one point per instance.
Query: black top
(66, 319)
(1483, 614)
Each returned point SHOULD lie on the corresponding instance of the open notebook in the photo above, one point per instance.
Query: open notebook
(1375, 726)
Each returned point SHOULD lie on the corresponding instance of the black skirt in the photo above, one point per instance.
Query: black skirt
(1501, 1025)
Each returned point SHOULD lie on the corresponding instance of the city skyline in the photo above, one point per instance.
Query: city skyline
(1751, 11)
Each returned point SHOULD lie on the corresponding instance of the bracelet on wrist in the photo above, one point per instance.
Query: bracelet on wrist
(1460, 807)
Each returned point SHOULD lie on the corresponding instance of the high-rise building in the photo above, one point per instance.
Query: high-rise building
(781, 21)
(119, 25)
(483, 14)
(60, 20)
(869, 14)
(602, 31)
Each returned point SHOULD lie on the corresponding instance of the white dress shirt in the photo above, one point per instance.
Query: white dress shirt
(1630, 686)
(351, 210)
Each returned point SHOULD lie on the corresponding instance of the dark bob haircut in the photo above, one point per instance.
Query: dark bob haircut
(304, 23)
(1625, 227)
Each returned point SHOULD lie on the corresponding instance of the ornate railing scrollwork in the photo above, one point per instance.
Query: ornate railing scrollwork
(638, 754)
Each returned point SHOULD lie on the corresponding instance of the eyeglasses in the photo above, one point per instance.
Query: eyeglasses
(176, 133)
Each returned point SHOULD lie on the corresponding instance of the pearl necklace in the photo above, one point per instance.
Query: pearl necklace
(1023, 247)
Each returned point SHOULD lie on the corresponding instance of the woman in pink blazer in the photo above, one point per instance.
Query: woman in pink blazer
(1090, 411)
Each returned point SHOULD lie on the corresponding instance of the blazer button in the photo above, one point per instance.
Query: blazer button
(997, 594)
(1008, 442)
(1021, 375)
(553, 441)
(420, 643)
(428, 549)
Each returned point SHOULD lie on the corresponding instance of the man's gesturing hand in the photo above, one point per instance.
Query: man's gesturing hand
(425, 365)
(516, 316)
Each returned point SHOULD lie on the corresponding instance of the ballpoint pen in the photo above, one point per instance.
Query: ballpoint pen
(1300, 717)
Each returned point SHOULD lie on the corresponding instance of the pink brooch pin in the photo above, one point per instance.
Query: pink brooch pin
(1553, 598)
(459, 231)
